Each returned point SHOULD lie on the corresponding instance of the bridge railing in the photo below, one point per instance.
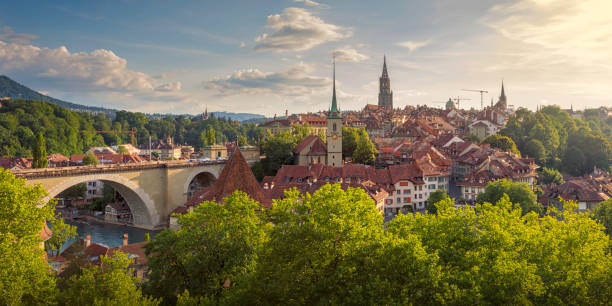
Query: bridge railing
(104, 168)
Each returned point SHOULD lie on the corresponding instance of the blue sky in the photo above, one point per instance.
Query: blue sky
(268, 56)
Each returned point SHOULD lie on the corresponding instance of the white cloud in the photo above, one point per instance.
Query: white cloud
(242, 44)
(413, 45)
(296, 29)
(7, 34)
(310, 3)
(294, 81)
(99, 70)
(348, 54)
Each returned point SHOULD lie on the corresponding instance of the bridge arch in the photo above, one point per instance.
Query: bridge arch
(141, 205)
(207, 176)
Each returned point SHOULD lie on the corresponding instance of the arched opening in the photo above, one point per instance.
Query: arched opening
(199, 182)
(112, 199)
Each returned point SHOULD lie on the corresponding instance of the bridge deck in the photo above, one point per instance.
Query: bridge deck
(77, 170)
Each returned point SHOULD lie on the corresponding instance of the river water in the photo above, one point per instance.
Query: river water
(110, 235)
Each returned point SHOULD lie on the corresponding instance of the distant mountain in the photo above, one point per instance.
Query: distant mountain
(239, 116)
(14, 90)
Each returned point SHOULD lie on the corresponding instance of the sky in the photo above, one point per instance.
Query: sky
(269, 56)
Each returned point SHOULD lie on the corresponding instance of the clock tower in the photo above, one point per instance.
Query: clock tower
(334, 130)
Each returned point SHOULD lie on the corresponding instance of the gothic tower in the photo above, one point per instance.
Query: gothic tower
(334, 131)
(385, 95)
(502, 104)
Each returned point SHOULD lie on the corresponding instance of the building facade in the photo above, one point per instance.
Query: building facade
(385, 94)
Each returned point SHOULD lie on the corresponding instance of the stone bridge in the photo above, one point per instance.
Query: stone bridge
(151, 189)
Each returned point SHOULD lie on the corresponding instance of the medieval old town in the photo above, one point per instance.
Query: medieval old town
(302, 152)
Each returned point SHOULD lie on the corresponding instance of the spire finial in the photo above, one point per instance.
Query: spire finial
(384, 73)
(334, 112)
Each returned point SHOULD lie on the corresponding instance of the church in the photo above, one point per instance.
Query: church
(312, 150)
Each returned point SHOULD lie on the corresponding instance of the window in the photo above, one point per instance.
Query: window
(406, 200)
(399, 200)
(420, 188)
(399, 192)
(431, 186)
(406, 191)
(420, 196)
(334, 127)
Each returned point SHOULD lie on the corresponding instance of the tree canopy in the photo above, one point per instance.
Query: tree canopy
(517, 192)
(435, 197)
(503, 143)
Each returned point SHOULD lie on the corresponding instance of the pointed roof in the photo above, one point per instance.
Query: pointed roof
(385, 75)
(502, 97)
(236, 175)
(334, 112)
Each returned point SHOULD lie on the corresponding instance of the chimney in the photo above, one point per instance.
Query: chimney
(286, 114)
(272, 185)
(87, 241)
(125, 239)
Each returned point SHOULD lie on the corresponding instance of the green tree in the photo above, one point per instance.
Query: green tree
(534, 148)
(349, 141)
(211, 136)
(61, 233)
(40, 152)
(603, 214)
(503, 143)
(496, 256)
(110, 283)
(25, 277)
(551, 176)
(122, 150)
(574, 161)
(331, 248)
(90, 159)
(365, 152)
(518, 193)
(277, 149)
(242, 141)
(214, 249)
(435, 197)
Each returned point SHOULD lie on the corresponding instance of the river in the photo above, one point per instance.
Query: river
(110, 235)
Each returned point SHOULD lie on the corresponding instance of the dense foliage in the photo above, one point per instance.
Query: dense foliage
(603, 214)
(574, 146)
(24, 275)
(67, 132)
(517, 192)
(327, 248)
(503, 143)
(435, 197)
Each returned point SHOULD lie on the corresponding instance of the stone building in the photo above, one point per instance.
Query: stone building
(385, 94)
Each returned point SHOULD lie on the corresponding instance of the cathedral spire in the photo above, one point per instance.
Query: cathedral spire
(502, 97)
(384, 73)
(334, 112)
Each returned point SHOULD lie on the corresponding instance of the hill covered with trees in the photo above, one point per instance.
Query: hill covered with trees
(68, 132)
(558, 141)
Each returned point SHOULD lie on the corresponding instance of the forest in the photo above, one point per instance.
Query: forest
(68, 132)
(571, 145)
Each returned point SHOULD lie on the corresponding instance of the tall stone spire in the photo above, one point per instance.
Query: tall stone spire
(384, 73)
(502, 97)
(385, 95)
(334, 112)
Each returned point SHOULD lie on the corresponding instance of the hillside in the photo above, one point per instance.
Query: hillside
(14, 90)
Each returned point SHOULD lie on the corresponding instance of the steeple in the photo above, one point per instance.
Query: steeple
(384, 73)
(385, 95)
(502, 97)
(334, 112)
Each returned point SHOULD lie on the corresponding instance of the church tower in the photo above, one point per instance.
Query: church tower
(334, 131)
(385, 95)
(502, 104)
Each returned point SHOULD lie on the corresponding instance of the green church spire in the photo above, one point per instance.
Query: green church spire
(334, 112)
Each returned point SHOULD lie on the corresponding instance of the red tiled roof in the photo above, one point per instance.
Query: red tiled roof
(137, 249)
(236, 175)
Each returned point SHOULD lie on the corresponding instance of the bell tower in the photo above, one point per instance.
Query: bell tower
(334, 130)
